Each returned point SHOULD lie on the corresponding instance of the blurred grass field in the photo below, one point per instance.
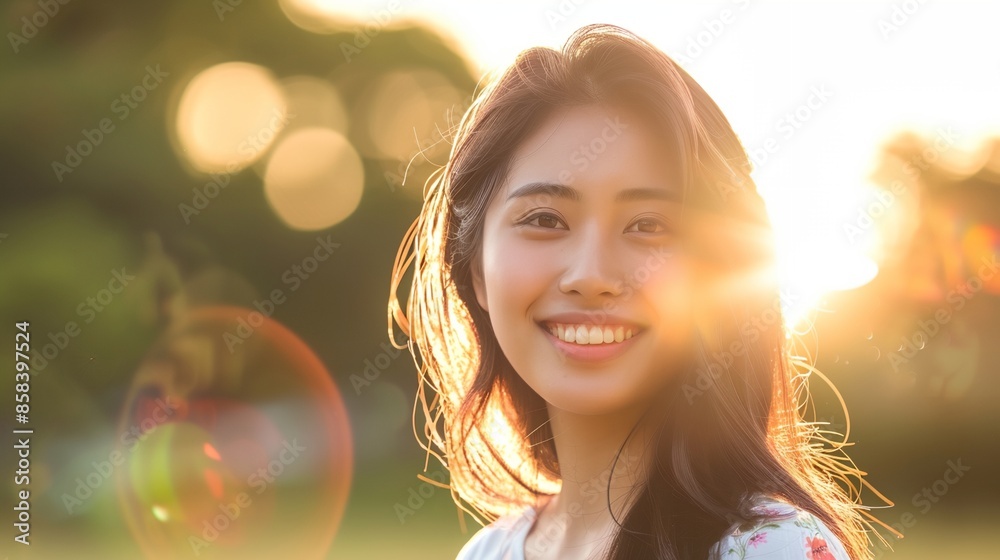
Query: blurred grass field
(371, 528)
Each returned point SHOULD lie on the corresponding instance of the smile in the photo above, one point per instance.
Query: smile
(583, 334)
(573, 341)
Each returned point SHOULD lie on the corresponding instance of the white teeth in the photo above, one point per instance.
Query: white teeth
(596, 335)
(584, 334)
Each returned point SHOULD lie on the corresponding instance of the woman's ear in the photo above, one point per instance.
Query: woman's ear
(478, 284)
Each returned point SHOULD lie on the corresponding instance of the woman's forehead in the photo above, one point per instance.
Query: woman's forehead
(593, 145)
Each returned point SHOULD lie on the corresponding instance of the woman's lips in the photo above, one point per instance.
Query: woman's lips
(586, 333)
(597, 352)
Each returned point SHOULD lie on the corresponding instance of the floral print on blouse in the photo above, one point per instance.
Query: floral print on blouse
(786, 532)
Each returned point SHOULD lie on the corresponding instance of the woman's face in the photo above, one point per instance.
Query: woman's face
(581, 272)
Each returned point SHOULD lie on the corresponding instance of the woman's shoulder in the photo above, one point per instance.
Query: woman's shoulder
(502, 539)
(784, 532)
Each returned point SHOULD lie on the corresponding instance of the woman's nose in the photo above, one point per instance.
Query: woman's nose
(592, 268)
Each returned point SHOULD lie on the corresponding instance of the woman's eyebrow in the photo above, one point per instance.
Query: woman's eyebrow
(563, 191)
(646, 193)
(542, 187)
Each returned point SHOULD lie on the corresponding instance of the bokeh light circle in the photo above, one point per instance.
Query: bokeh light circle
(235, 442)
(406, 119)
(228, 116)
(406, 112)
(314, 179)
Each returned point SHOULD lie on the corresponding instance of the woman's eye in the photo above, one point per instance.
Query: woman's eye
(547, 221)
(647, 225)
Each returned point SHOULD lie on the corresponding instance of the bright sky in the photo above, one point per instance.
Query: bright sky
(869, 69)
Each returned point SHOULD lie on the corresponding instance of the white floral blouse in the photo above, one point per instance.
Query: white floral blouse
(786, 533)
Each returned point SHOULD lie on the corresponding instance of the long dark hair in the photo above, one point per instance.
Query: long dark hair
(734, 427)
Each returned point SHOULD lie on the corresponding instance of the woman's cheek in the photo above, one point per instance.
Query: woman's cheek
(522, 270)
(669, 290)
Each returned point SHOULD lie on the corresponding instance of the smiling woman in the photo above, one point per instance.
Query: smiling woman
(574, 245)
(593, 245)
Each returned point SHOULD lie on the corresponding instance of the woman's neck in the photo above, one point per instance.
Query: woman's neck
(579, 517)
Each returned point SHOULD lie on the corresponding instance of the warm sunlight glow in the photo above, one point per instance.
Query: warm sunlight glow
(816, 255)
(813, 119)
(329, 16)
(314, 179)
(407, 113)
(808, 276)
(510, 445)
(228, 116)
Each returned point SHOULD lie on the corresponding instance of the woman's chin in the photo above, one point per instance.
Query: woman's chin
(590, 402)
